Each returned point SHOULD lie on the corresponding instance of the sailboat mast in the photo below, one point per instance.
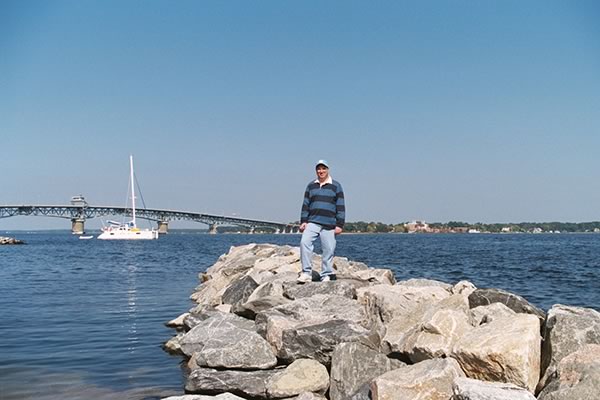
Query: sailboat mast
(132, 188)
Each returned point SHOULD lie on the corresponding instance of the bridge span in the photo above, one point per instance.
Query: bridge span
(78, 214)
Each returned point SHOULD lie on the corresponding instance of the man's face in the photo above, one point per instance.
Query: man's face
(322, 172)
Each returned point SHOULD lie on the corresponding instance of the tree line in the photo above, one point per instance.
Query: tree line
(453, 226)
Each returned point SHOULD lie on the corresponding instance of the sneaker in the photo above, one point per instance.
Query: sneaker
(304, 278)
(325, 279)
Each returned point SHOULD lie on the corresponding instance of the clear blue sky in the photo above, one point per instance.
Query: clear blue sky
(440, 110)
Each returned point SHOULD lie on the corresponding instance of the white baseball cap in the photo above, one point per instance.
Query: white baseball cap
(322, 162)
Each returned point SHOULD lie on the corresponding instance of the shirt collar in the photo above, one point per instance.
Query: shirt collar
(328, 180)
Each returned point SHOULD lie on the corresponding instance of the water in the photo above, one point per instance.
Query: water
(84, 319)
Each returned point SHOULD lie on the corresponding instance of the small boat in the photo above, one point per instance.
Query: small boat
(86, 237)
(128, 230)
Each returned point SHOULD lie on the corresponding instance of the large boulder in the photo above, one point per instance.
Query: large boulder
(503, 350)
(248, 384)
(430, 331)
(353, 365)
(429, 379)
(577, 376)
(435, 336)
(307, 311)
(472, 389)
(268, 295)
(484, 297)
(317, 341)
(226, 342)
(239, 290)
(299, 377)
(387, 302)
(567, 330)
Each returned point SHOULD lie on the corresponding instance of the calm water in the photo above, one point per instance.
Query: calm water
(85, 319)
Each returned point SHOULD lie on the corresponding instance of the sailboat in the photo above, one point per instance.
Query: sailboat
(128, 230)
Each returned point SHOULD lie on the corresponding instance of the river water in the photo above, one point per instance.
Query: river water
(84, 319)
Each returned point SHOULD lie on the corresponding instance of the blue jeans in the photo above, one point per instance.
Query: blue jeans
(310, 234)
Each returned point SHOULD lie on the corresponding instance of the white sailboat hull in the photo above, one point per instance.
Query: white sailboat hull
(121, 233)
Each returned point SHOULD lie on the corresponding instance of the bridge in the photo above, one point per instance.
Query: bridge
(79, 213)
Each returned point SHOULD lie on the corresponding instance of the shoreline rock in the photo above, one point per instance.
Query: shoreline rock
(257, 334)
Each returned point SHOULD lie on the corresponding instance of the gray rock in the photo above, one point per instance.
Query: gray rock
(463, 287)
(484, 297)
(485, 314)
(266, 296)
(371, 275)
(577, 376)
(435, 336)
(299, 377)
(343, 265)
(239, 290)
(504, 350)
(420, 282)
(567, 330)
(472, 389)
(236, 349)
(353, 367)
(177, 323)
(173, 345)
(251, 384)
(430, 331)
(216, 319)
(386, 302)
(342, 288)
(318, 341)
(429, 379)
(363, 393)
(195, 317)
(307, 311)
(228, 341)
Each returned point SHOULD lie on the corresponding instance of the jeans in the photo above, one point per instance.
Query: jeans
(310, 234)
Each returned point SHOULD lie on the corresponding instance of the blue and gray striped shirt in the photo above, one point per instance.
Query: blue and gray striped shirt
(324, 205)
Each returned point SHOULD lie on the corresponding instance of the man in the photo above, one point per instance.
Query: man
(323, 215)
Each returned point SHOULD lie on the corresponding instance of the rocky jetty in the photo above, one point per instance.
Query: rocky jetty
(257, 334)
(9, 240)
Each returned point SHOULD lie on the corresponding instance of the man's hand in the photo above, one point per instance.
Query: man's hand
(338, 230)
(302, 227)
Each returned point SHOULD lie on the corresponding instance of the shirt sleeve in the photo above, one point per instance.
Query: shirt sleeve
(305, 204)
(340, 207)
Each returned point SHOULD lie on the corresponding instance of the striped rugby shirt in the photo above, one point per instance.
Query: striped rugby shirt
(324, 205)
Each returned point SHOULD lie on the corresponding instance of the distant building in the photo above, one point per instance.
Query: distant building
(417, 226)
(506, 229)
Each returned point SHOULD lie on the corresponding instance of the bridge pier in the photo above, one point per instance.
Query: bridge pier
(77, 226)
(163, 227)
(212, 229)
